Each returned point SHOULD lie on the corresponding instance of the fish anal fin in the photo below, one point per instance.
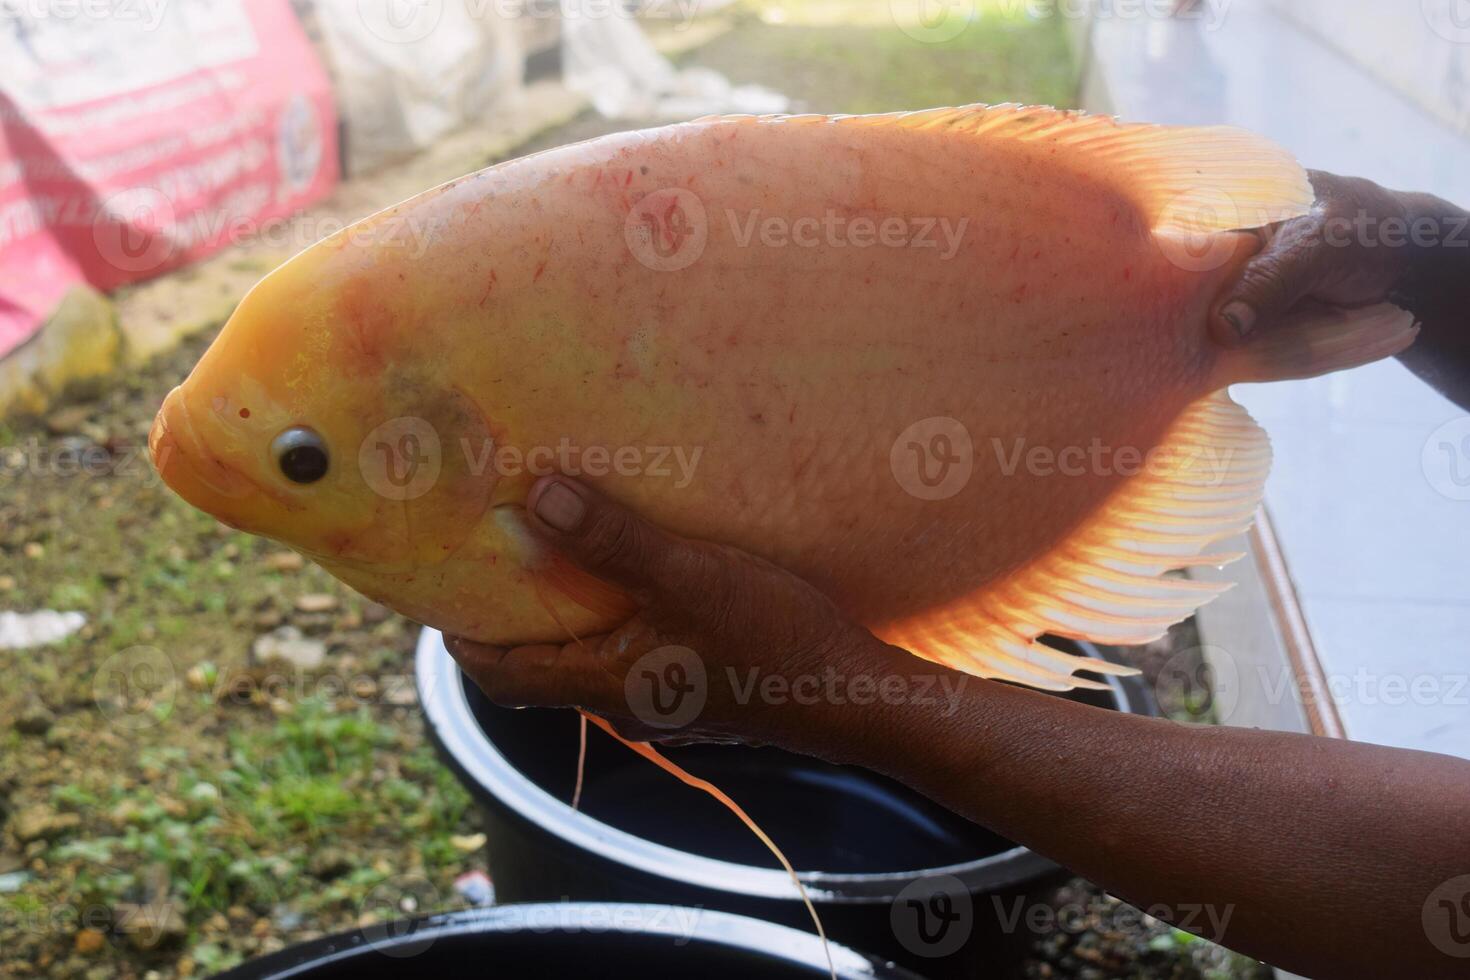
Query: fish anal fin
(1107, 581)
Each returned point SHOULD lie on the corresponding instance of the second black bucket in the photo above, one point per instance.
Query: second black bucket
(891, 872)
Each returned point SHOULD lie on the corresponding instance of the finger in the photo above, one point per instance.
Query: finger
(1283, 273)
(541, 675)
(612, 542)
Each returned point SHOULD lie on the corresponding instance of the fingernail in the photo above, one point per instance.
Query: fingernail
(1241, 317)
(560, 507)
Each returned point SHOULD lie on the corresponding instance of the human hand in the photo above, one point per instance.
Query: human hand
(715, 623)
(1353, 249)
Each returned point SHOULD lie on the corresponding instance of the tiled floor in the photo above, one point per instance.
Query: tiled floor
(1363, 500)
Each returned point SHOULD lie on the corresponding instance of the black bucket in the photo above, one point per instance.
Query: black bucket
(891, 872)
(578, 940)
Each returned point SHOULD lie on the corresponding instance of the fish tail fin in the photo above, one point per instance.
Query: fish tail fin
(1108, 581)
(705, 786)
(1320, 342)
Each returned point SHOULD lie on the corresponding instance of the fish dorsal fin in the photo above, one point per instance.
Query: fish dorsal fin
(1188, 179)
(1106, 581)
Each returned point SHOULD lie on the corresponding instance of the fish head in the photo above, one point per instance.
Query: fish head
(326, 416)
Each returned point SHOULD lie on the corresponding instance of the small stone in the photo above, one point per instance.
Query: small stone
(202, 676)
(374, 613)
(68, 421)
(34, 550)
(288, 644)
(317, 602)
(36, 719)
(329, 863)
(268, 619)
(468, 843)
(285, 561)
(89, 942)
(7, 583)
(39, 823)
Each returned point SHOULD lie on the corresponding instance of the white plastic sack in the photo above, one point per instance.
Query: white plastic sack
(24, 631)
(610, 60)
(410, 71)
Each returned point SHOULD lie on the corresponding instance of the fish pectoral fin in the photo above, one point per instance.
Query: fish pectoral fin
(1183, 179)
(1107, 581)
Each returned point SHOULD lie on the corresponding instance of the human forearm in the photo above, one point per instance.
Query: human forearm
(1315, 855)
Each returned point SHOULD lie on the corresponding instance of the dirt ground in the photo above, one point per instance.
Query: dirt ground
(175, 799)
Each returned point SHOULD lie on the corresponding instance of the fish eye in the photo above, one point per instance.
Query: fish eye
(301, 455)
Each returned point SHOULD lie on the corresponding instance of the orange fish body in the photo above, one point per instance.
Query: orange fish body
(952, 367)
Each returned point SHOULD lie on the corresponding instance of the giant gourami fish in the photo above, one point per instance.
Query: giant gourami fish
(952, 366)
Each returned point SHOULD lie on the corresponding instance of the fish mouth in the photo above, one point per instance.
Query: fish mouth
(195, 472)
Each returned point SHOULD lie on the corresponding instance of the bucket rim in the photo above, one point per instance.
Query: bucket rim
(488, 773)
(682, 924)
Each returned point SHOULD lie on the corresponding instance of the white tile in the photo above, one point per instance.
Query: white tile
(1399, 673)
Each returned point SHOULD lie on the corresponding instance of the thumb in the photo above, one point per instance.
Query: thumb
(610, 541)
(1279, 277)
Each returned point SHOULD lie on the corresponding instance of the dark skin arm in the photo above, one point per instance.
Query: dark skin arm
(1363, 244)
(1321, 853)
